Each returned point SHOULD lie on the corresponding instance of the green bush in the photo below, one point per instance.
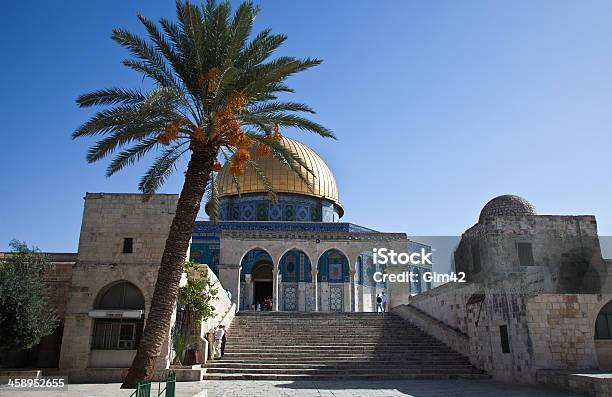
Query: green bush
(25, 313)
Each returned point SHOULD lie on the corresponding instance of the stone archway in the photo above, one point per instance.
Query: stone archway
(603, 337)
(118, 322)
(256, 278)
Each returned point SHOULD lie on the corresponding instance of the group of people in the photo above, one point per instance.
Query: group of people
(381, 303)
(220, 338)
(267, 305)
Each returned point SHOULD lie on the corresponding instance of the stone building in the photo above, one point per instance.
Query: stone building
(293, 251)
(537, 301)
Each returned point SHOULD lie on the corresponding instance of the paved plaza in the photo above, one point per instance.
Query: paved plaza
(393, 388)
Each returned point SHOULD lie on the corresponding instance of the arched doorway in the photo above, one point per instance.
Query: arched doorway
(256, 279)
(603, 337)
(262, 285)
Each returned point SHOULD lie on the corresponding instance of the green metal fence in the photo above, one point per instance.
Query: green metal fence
(143, 388)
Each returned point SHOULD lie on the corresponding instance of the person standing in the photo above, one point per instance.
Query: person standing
(384, 301)
(219, 332)
(223, 341)
(379, 304)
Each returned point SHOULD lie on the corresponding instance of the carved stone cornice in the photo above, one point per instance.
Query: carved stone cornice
(321, 236)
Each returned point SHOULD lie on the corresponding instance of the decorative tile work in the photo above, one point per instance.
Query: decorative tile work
(289, 207)
(290, 297)
(295, 266)
(289, 213)
(302, 213)
(235, 213)
(333, 267)
(335, 298)
(209, 227)
(276, 212)
(247, 212)
(262, 211)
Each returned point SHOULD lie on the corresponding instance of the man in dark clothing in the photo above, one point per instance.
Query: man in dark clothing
(379, 304)
(223, 340)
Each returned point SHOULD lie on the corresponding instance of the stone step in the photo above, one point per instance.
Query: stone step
(351, 377)
(318, 344)
(342, 365)
(327, 359)
(333, 371)
(334, 354)
(329, 348)
(328, 335)
(292, 346)
(267, 325)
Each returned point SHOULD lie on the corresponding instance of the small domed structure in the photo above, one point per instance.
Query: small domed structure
(507, 205)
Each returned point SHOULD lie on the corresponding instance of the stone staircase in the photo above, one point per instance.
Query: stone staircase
(292, 346)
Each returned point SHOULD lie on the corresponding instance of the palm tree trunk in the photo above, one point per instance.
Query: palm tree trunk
(171, 268)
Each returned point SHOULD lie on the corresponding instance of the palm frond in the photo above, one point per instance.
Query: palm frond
(288, 121)
(235, 180)
(240, 29)
(111, 96)
(131, 155)
(179, 56)
(146, 53)
(259, 49)
(120, 138)
(263, 178)
(275, 107)
(160, 170)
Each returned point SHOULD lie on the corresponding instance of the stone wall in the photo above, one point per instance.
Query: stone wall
(562, 329)
(88, 280)
(225, 311)
(545, 331)
(58, 279)
(454, 338)
(566, 252)
(108, 218)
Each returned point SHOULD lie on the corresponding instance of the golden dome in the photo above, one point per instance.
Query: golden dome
(283, 179)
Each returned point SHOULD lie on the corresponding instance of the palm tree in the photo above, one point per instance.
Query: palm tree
(214, 98)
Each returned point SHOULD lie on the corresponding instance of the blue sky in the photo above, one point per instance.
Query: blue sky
(438, 107)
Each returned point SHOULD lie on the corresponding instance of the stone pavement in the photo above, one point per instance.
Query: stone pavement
(405, 388)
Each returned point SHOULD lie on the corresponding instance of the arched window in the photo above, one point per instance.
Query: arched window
(123, 295)
(295, 266)
(119, 318)
(603, 325)
(333, 267)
